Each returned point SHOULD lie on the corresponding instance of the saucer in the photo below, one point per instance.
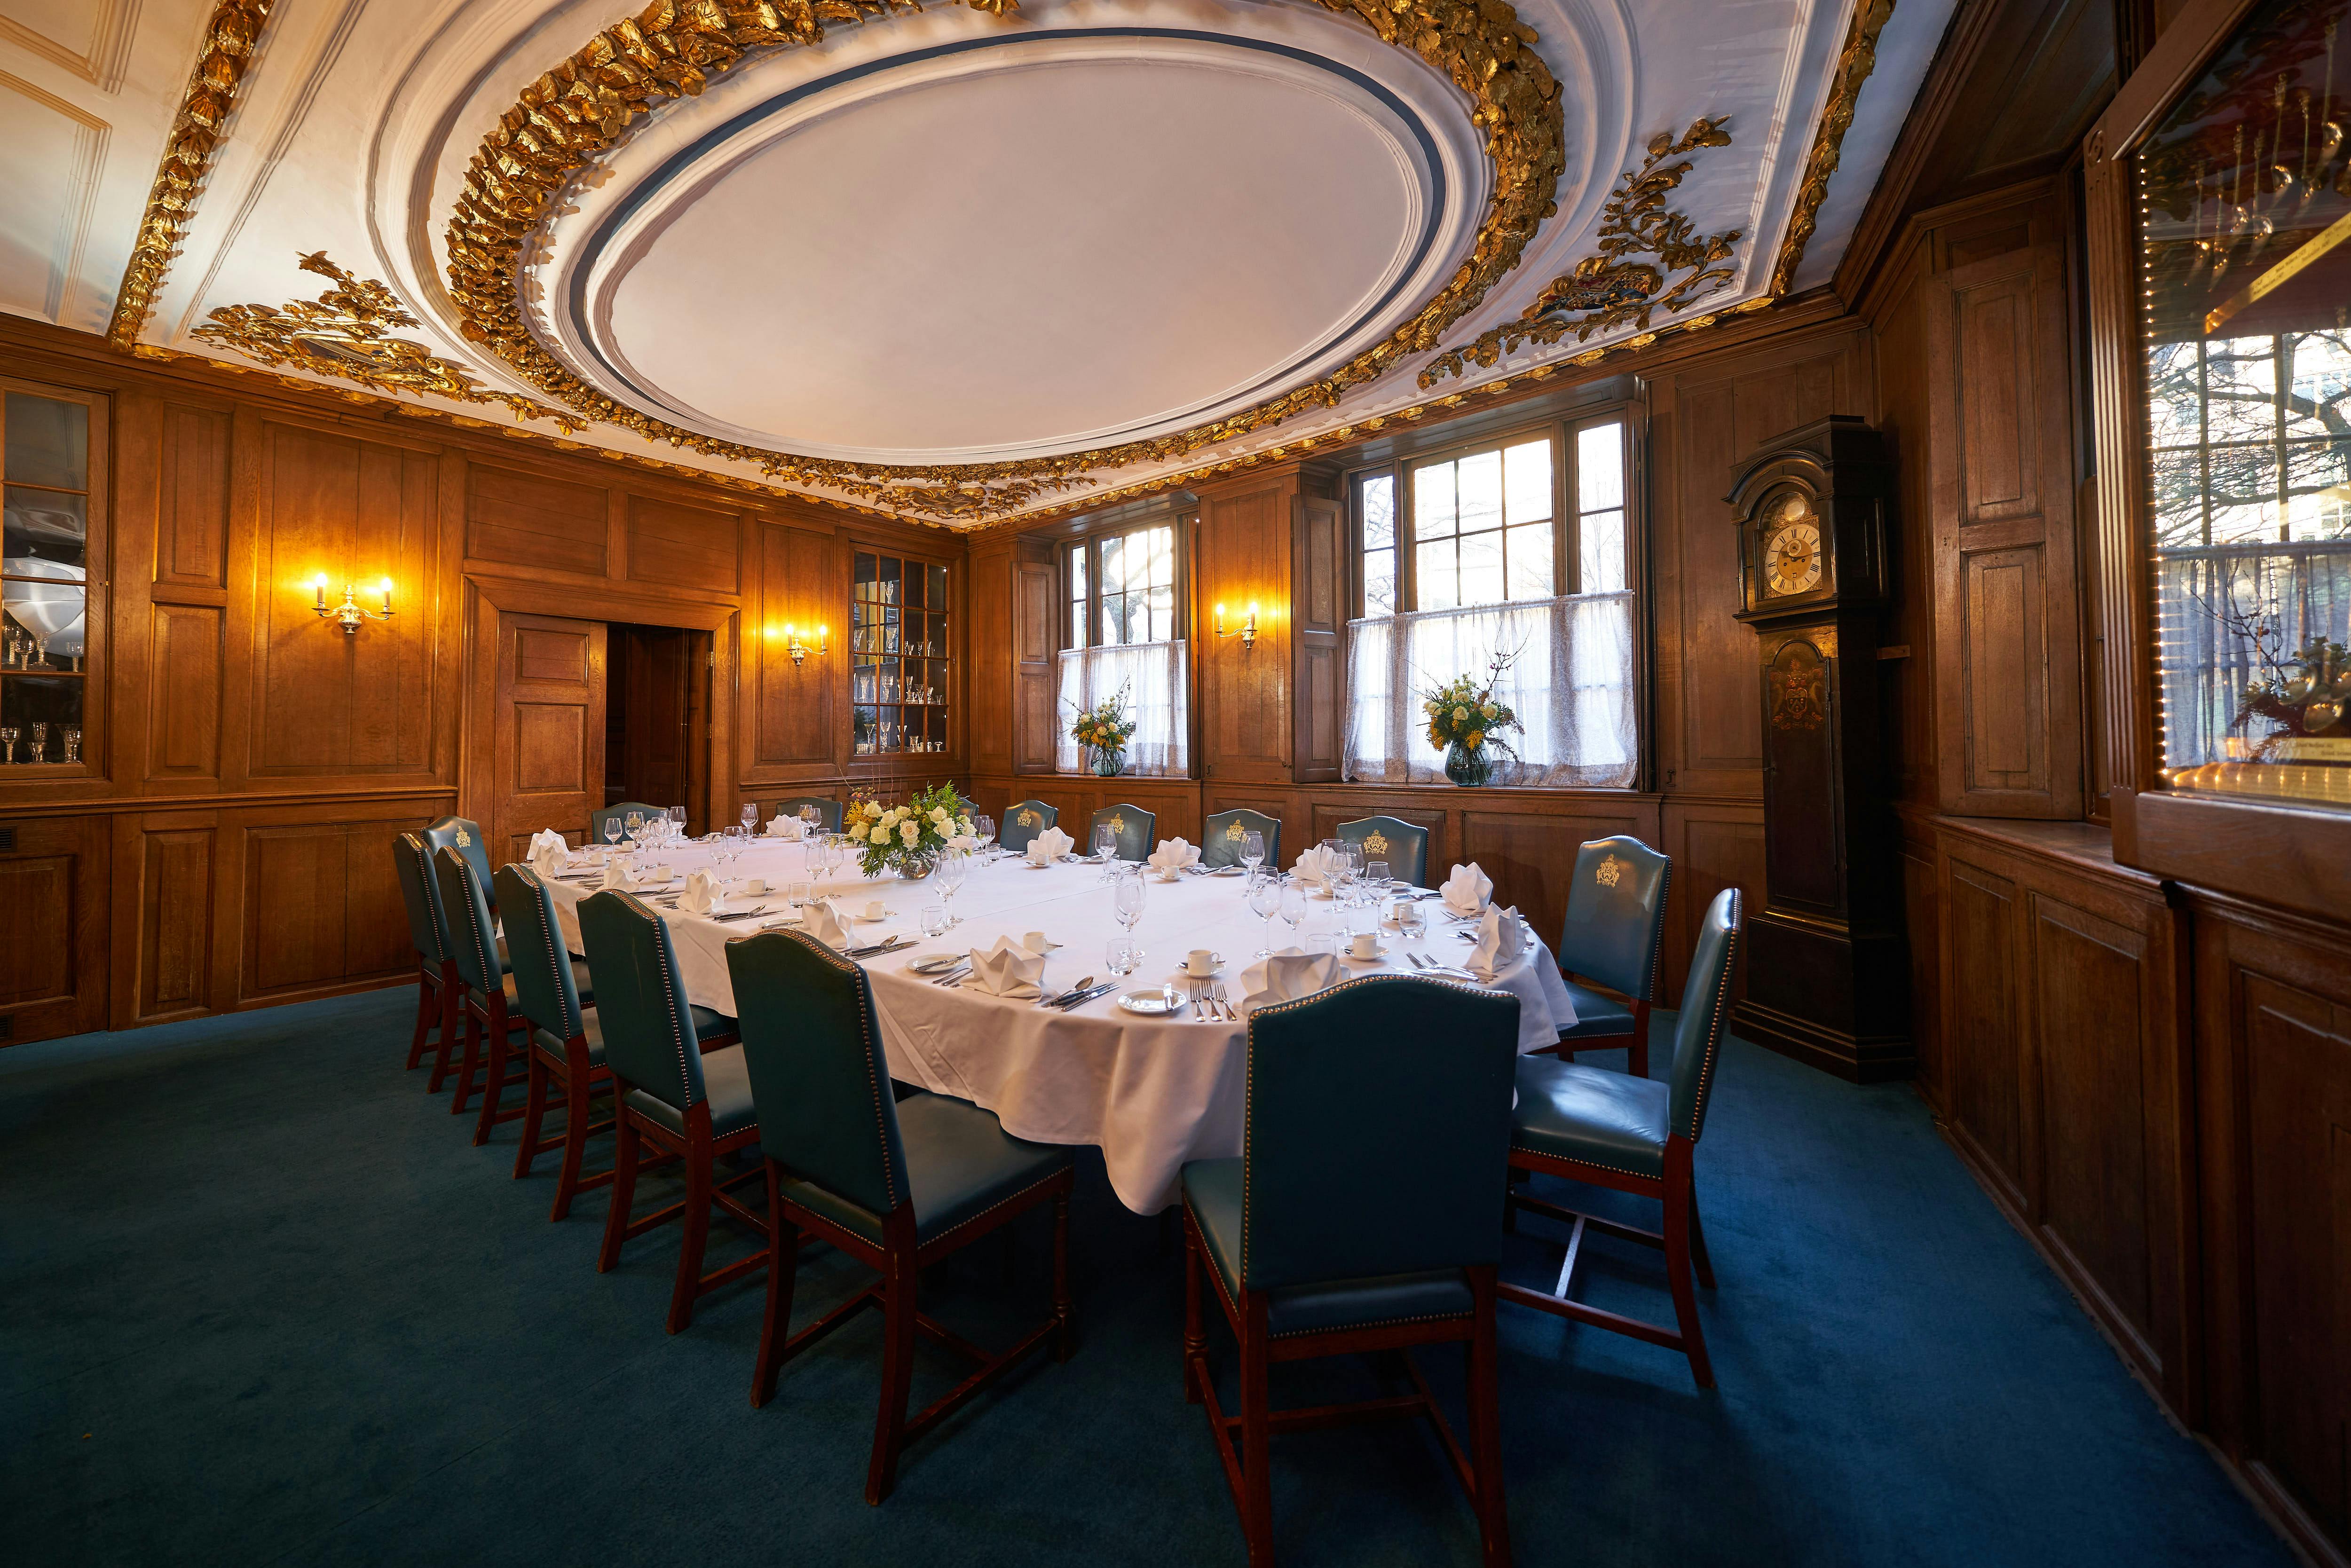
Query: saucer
(1156, 1002)
(1181, 973)
(1379, 956)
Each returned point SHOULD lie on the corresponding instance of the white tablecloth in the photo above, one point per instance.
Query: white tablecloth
(1150, 1092)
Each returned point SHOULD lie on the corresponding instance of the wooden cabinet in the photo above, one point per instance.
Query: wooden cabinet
(53, 904)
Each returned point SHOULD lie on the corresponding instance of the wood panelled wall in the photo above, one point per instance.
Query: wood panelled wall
(251, 761)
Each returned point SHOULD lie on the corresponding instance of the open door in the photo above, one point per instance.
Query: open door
(549, 755)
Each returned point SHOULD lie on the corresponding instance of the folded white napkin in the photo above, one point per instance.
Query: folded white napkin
(703, 894)
(1468, 889)
(1501, 941)
(1291, 973)
(1049, 846)
(787, 828)
(823, 920)
(1007, 969)
(616, 875)
(1172, 856)
(549, 853)
(1316, 865)
(967, 843)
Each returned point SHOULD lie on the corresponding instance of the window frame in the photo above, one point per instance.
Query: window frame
(97, 584)
(1562, 430)
(1088, 546)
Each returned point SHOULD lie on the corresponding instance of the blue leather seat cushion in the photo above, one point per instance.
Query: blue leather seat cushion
(1212, 1191)
(1597, 1013)
(726, 1084)
(706, 1023)
(1589, 1113)
(960, 1162)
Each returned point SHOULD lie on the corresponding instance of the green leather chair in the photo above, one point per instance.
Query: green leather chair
(1402, 845)
(1616, 928)
(1135, 829)
(436, 977)
(1024, 821)
(491, 1004)
(1636, 1136)
(566, 1036)
(1220, 843)
(670, 1093)
(894, 1184)
(617, 812)
(826, 804)
(1363, 1216)
(464, 835)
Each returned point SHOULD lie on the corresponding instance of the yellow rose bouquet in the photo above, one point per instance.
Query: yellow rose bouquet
(1465, 718)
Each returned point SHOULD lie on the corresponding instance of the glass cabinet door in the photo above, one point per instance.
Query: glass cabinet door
(898, 655)
(2244, 263)
(47, 486)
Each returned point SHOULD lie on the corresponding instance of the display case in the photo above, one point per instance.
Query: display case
(900, 671)
(51, 451)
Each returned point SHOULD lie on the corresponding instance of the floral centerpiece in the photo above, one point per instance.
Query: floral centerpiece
(1105, 727)
(1464, 719)
(910, 836)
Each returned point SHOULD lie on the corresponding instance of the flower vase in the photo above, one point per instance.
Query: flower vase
(1468, 766)
(1109, 764)
(914, 868)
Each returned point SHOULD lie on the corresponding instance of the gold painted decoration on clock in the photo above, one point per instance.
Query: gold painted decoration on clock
(1642, 244)
(345, 333)
(571, 116)
(1798, 681)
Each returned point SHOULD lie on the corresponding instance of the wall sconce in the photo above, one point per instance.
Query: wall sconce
(349, 611)
(800, 650)
(1246, 631)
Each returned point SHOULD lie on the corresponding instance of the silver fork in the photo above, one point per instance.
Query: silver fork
(1196, 988)
(1220, 999)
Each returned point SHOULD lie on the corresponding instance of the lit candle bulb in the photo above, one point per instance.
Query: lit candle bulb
(320, 585)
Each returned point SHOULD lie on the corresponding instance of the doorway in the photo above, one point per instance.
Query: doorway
(656, 717)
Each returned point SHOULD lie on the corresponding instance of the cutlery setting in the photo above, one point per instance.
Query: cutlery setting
(1209, 1003)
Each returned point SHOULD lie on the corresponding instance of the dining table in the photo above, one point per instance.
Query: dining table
(1150, 1092)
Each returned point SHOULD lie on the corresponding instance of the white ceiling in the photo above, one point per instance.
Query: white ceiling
(937, 238)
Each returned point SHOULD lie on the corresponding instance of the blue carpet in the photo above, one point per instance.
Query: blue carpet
(261, 1302)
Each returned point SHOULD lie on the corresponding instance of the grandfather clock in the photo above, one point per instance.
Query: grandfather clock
(1827, 966)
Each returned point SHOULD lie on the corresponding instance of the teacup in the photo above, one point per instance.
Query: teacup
(1201, 961)
(1038, 942)
(754, 885)
(875, 910)
(1363, 944)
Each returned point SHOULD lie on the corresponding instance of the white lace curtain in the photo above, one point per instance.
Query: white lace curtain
(1571, 684)
(1156, 677)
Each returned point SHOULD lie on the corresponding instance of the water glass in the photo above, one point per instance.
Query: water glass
(1293, 907)
(1412, 920)
(1105, 845)
(1265, 900)
(1252, 850)
(1122, 955)
(1129, 899)
(798, 894)
(935, 920)
(954, 866)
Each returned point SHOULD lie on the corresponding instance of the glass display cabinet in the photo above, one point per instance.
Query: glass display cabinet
(2218, 197)
(899, 655)
(51, 443)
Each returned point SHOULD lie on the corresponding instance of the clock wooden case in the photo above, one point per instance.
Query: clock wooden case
(1827, 964)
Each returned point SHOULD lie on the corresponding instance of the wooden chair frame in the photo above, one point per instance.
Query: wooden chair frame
(1635, 1042)
(1683, 1242)
(581, 1077)
(487, 1016)
(436, 1007)
(699, 1150)
(900, 1260)
(1247, 1471)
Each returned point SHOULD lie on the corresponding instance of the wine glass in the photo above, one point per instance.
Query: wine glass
(1265, 900)
(1105, 845)
(750, 817)
(811, 818)
(1127, 901)
(40, 742)
(1252, 851)
(1294, 909)
(611, 831)
(953, 865)
(1376, 874)
(636, 825)
(983, 828)
(8, 741)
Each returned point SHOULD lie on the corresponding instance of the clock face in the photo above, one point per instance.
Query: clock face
(1792, 547)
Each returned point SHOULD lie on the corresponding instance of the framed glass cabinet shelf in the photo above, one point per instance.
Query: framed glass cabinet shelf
(49, 494)
(899, 645)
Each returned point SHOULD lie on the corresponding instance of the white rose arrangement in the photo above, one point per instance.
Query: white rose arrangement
(908, 836)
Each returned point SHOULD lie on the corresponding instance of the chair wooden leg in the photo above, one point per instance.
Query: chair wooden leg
(1486, 1425)
(535, 1091)
(624, 1191)
(425, 1013)
(898, 1311)
(473, 1063)
(450, 1006)
(1065, 1335)
(1257, 1430)
(1638, 1053)
(1195, 1338)
(1677, 1268)
(577, 1091)
(783, 1262)
(1698, 1241)
(501, 1042)
(696, 1221)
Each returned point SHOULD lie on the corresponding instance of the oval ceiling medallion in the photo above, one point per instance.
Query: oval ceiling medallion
(953, 278)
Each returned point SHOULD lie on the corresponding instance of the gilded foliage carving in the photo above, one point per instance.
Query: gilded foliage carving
(1642, 244)
(345, 333)
(197, 128)
(572, 115)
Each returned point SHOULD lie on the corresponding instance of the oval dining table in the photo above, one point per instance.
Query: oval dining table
(1151, 1092)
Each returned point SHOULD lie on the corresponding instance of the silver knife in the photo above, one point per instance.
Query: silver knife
(1082, 998)
(1055, 1001)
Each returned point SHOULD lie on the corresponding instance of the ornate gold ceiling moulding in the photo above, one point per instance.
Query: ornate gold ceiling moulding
(1642, 244)
(343, 333)
(576, 111)
(229, 39)
(1853, 66)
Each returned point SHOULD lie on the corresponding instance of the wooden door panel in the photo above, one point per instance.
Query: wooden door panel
(548, 744)
(53, 912)
(175, 922)
(1979, 914)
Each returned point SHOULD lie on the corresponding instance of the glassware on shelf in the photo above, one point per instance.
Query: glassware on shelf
(40, 742)
(7, 743)
(72, 737)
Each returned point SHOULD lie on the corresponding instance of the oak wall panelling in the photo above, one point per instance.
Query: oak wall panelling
(53, 926)
(516, 517)
(1036, 645)
(990, 683)
(798, 716)
(1275, 538)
